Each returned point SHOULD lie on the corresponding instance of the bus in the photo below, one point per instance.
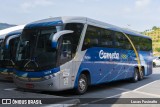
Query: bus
(8, 53)
(3, 32)
(63, 53)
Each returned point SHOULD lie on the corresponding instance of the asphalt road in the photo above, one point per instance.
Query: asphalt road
(147, 88)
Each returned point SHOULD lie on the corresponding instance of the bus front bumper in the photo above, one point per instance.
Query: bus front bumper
(51, 84)
(7, 76)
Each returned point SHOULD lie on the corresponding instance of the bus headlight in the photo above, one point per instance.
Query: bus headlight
(55, 74)
(51, 76)
(48, 77)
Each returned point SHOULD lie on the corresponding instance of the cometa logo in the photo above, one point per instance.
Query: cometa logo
(123, 56)
(105, 55)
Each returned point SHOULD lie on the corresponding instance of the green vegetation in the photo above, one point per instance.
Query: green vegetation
(158, 49)
(155, 28)
(154, 33)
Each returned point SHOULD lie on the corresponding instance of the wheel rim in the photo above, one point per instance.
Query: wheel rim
(136, 76)
(141, 74)
(82, 84)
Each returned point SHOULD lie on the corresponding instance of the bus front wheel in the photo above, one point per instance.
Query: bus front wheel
(82, 84)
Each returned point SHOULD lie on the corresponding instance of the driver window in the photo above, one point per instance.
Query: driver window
(66, 49)
(69, 42)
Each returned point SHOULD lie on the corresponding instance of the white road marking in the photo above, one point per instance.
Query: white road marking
(145, 93)
(127, 91)
(122, 89)
(145, 85)
(119, 94)
(9, 89)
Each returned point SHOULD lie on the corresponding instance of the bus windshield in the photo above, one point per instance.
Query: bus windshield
(35, 51)
(1, 51)
(8, 54)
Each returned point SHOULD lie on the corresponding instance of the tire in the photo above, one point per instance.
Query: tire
(135, 76)
(82, 84)
(141, 75)
(154, 64)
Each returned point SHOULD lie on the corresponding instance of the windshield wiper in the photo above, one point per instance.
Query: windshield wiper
(31, 60)
(10, 61)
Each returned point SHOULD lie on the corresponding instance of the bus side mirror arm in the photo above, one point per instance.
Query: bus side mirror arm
(58, 35)
(8, 40)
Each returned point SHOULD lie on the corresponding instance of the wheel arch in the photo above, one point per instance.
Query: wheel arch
(87, 73)
(142, 67)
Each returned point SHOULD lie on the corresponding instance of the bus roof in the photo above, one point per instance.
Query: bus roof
(14, 33)
(66, 19)
(4, 32)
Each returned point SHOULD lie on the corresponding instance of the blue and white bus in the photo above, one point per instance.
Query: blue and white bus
(8, 52)
(74, 52)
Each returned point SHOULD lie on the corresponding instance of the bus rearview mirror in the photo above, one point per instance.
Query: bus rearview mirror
(57, 35)
(8, 40)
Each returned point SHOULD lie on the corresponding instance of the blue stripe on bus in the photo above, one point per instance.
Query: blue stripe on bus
(37, 74)
(107, 70)
(43, 24)
(6, 70)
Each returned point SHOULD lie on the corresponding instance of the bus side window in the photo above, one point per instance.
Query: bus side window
(145, 44)
(137, 42)
(106, 38)
(77, 28)
(120, 40)
(91, 38)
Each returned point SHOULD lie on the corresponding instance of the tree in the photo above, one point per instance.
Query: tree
(154, 28)
(157, 49)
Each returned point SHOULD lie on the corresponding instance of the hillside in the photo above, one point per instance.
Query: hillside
(154, 33)
(5, 25)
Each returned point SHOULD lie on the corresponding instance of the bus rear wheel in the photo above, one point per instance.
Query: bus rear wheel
(154, 64)
(135, 76)
(141, 75)
(82, 84)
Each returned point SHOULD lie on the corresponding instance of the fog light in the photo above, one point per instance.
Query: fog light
(51, 84)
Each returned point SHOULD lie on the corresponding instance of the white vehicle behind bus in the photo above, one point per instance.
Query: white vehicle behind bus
(156, 61)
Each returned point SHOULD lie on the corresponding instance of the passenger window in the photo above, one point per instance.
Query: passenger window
(91, 38)
(106, 38)
(119, 40)
(148, 45)
(141, 44)
(136, 42)
(77, 28)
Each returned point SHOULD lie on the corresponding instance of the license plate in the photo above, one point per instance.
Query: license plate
(30, 86)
